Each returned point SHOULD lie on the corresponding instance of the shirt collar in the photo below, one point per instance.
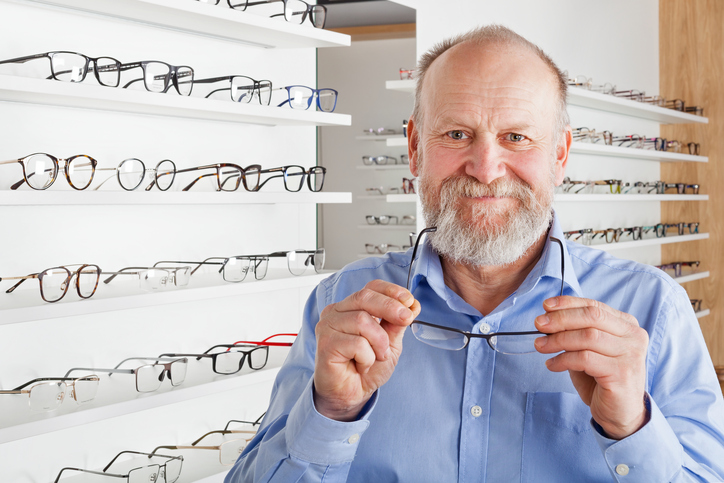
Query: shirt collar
(428, 266)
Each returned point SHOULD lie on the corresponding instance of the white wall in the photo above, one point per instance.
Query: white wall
(360, 72)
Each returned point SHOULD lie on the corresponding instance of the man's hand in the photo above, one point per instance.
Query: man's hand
(605, 355)
(359, 341)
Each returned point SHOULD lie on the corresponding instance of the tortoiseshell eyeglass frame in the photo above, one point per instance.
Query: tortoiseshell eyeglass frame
(54, 171)
(69, 275)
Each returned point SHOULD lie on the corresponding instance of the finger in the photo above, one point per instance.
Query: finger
(392, 290)
(358, 323)
(349, 349)
(380, 305)
(590, 339)
(587, 316)
(592, 363)
(564, 302)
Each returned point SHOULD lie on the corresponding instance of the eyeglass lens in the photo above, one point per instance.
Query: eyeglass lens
(144, 474)
(40, 170)
(229, 451)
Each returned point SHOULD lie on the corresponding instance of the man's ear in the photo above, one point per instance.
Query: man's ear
(562, 151)
(413, 144)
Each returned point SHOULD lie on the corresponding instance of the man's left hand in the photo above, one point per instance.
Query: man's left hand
(604, 351)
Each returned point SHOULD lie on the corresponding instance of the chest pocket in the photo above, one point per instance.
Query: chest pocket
(558, 441)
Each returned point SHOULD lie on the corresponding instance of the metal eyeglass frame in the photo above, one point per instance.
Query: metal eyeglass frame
(159, 361)
(468, 335)
(161, 468)
(255, 87)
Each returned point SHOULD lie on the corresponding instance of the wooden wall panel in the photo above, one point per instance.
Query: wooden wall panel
(691, 66)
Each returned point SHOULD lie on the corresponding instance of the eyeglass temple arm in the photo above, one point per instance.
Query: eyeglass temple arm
(22, 60)
(430, 229)
(122, 272)
(96, 369)
(227, 346)
(22, 279)
(563, 260)
(174, 355)
(41, 379)
(212, 79)
(87, 471)
(255, 423)
(157, 359)
(137, 452)
(221, 431)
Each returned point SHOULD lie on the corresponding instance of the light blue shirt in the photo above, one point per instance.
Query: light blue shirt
(476, 415)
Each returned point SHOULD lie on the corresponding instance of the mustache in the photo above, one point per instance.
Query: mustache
(468, 186)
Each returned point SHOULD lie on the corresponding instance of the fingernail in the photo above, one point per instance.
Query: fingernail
(549, 362)
(543, 320)
(552, 302)
(540, 342)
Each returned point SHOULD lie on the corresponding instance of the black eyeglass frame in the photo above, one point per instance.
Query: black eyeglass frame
(469, 335)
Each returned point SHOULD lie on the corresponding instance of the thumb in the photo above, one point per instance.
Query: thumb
(396, 332)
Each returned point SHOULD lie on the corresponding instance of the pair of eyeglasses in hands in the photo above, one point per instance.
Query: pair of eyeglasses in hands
(449, 338)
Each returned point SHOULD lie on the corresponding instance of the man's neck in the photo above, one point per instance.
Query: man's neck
(485, 287)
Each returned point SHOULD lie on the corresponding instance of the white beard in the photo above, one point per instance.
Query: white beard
(477, 242)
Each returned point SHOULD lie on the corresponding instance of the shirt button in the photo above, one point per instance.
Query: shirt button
(484, 328)
(622, 470)
(476, 411)
(353, 439)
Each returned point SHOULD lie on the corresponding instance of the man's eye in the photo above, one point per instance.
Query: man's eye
(457, 134)
(516, 138)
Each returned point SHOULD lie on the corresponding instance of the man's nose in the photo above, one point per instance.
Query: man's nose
(486, 161)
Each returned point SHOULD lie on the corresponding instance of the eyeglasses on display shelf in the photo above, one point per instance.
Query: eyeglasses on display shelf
(166, 472)
(160, 77)
(232, 269)
(383, 191)
(271, 341)
(381, 160)
(230, 361)
(131, 172)
(586, 135)
(408, 186)
(379, 131)
(449, 338)
(633, 94)
(613, 186)
(677, 269)
(586, 235)
(383, 248)
(390, 220)
(152, 279)
(302, 97)
(54, 282)
(298, 261)
(241, 88)
(696, 304)
(40, 170)
(47, 393)
(228, 176)
(74, 67)
(229, 450)
(295, 11)
(294, 177)
(406, 74)
(148, 376)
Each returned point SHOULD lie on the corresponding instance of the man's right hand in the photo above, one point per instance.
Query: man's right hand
(359, 341)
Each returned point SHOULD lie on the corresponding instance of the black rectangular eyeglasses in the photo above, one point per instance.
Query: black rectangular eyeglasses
(448, 338)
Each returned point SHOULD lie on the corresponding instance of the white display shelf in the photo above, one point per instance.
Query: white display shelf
(216, 21)
(170, 104)
(377, 137)
(26, 305)
(155, 197)
(407, 85)
(397, 141)
(371, 197)
(609, 247)
(702, 313)
(604, 102)
(385, 167)
(411, 198)
(633, 153)
(387, 227)
(567, 197)
(178, 394)
(692, 277)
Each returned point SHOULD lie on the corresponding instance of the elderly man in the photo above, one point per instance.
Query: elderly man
(528, 358)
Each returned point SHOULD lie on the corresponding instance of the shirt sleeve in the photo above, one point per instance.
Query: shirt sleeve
(295, 443)
(683, 441)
